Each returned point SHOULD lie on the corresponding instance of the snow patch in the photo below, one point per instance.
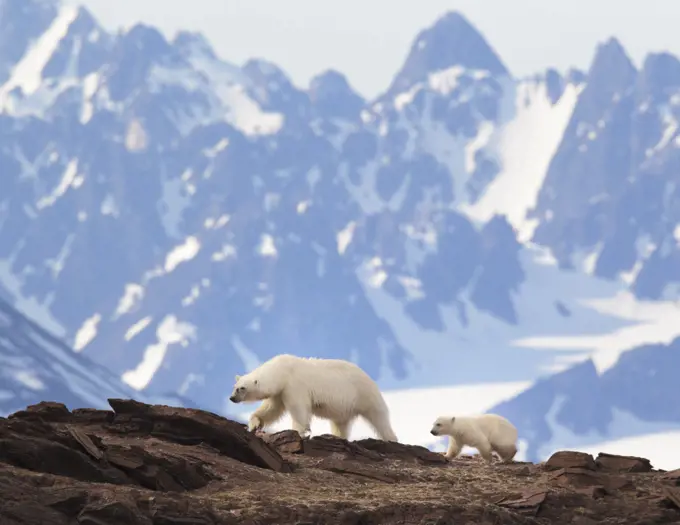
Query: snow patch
(68, 179)
(267, 247)
(249, 358)
(227, 251)
(137, 328)
(169, 332)
(136, 138)
(174, 200)
(526, 147)
(87, 332)
(38, 311)
(29, 379)
(622, 424)
(56, 265)
(344, 237)
(132, 296)
(302, 206)
(27, 73)
(182, 253)
(109, 206)
(661, 448)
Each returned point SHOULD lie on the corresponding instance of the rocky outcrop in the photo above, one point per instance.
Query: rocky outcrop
(156, 465)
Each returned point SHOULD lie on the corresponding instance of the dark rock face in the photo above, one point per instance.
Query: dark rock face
(151, 464)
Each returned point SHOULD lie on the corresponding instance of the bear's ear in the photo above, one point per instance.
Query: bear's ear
(237, 378)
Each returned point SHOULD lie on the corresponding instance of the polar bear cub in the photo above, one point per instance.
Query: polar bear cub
(304, 387)
(487, 433)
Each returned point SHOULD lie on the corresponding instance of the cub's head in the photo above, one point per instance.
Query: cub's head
(246, 389)
(443, 426)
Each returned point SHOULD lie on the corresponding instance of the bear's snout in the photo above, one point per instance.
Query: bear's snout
(433, 432)
(233, 399)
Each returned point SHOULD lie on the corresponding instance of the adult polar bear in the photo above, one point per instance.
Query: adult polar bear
(304, 387)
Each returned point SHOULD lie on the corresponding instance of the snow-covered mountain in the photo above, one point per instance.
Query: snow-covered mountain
(34, 367)
(178, 219)
(581, 407)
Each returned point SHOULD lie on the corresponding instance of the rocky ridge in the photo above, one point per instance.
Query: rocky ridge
(160, 465)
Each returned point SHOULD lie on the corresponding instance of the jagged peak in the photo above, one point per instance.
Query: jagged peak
(660, 71)
(451, 41)
(331, 82)
(260, 68)
(332, 94)
(193, 42)
(611, 60)
(145, 37)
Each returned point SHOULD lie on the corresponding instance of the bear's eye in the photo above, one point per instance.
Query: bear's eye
(241, 388)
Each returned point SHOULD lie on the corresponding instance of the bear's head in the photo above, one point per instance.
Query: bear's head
(246, 389)
(443, 426)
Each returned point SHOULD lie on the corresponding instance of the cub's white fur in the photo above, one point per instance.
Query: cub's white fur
(304, 387)
(487, 433)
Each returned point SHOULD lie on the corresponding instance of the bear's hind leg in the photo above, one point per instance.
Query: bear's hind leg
(485, 450)
(507, 453)
(381, 424)
(340, 429)
(301, 414)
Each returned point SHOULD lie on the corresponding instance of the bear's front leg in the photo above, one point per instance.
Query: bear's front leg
(485, 450)
(254, 423)
(453, 449)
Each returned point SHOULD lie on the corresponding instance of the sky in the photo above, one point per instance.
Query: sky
(368, 40)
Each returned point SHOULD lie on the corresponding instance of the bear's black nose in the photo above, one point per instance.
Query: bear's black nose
(232, 399)
(433, 432)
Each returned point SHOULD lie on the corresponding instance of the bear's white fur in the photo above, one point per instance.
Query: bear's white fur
(304, 387)
(487, 433)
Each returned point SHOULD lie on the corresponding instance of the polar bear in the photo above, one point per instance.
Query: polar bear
(304, 387)
(487, 433)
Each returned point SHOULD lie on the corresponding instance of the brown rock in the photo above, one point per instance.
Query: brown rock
(576, 477)
(528, 503)
(673, 476)
(286, 442)
(325, 445)
(67, 500)
(91, 415)
(403, 451)
(191, 427)
(112, 513)
(672, 495)
(616, 463)
(52, 457)
(45, 410)
(86, 442)
(580, 478)
(155, 465)
(569, 459)
(595, 491)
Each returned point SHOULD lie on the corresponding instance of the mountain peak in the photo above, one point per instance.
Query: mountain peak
(190, 42)
(451, 41)
(660, 75)
(611, 63)
(332, 95)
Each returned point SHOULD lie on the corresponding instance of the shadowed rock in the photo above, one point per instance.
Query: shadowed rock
(159, 465)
